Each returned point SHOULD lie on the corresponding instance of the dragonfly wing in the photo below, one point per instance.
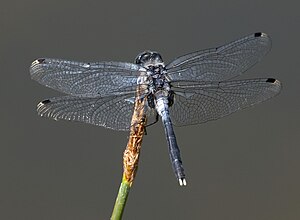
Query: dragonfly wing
(200, 102)
(88, 79)
(114, 112)
(221, 63)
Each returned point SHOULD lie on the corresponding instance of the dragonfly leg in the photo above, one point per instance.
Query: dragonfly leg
(156, 120)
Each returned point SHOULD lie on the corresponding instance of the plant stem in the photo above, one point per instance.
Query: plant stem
(121, 200)
(131, 154)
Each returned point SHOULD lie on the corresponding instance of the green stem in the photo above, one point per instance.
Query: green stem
(121, 200)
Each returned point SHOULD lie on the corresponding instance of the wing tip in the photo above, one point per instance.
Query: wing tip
(46, 101)
(273, 81)
(260, 34)
(38, 61)
(35, 66)
(41, 106)
(277, 84)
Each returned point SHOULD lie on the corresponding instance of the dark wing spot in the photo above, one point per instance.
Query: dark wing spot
(40, 60)
(258, 34)
(45, 101)
(270, 80)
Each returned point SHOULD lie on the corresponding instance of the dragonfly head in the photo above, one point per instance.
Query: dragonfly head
(149, 58)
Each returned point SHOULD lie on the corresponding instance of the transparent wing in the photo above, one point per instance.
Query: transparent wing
(200, 102)
(220, 63)
(88, 79)
(112, 112)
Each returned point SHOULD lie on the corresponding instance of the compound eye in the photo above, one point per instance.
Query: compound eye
(145, 56)
(148, 56)
(140, 58)
(158, 57)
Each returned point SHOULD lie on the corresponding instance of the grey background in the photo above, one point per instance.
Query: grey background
(245, 166)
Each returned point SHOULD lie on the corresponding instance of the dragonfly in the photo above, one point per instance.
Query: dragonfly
(192, 89)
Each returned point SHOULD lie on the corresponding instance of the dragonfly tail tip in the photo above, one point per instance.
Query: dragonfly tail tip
(182, 182)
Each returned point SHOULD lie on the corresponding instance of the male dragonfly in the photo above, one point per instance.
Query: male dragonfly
(192, 89)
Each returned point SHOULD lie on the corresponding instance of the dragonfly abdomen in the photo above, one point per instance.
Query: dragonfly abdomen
(162, 108)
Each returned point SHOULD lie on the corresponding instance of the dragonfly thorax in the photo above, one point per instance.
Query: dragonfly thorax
(158, 86)
(157, 79)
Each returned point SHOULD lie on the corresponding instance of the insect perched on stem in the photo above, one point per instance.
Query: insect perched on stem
(192, 89)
